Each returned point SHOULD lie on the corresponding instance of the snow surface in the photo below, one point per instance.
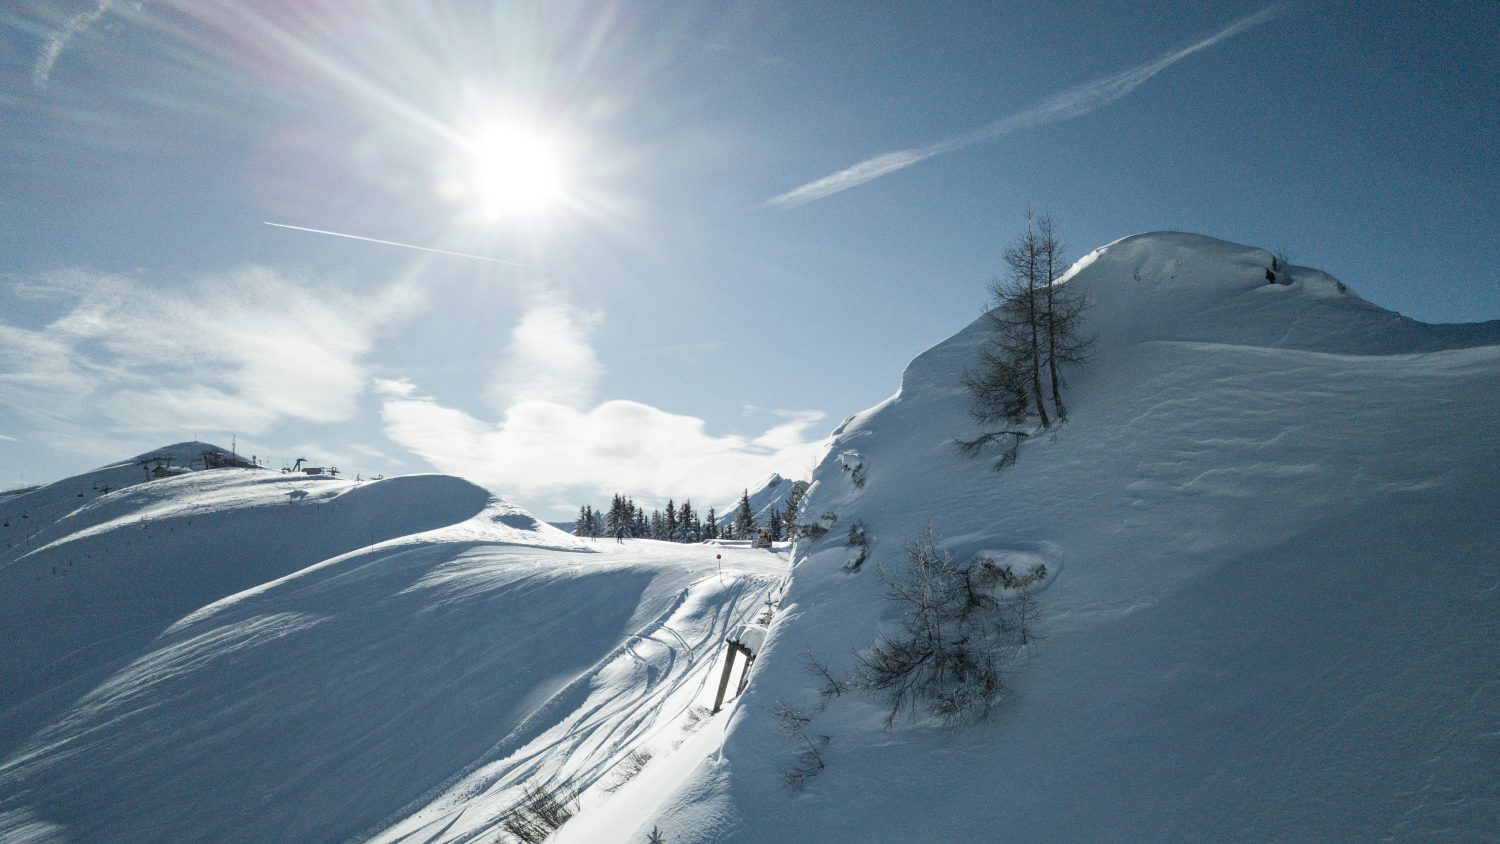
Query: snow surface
(1270, 526)
(1271, 523)
(242, 655)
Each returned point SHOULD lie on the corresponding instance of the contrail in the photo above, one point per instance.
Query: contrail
(1073, 102)
(402, 245)
(58, 40)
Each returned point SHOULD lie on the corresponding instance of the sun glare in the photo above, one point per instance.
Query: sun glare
(520, 172)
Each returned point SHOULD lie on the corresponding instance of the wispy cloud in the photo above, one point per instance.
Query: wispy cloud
(59, 39)
(549, 358)
(239, 351)
(392, 387)
(553, 442)
(1067, 104)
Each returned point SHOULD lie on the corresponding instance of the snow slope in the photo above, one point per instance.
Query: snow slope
(1272, 526)
(241, 655)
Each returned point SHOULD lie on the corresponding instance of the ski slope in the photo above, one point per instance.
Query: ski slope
(1271, 525)
(242, 655)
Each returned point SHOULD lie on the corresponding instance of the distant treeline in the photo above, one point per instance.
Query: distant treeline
(678, 523)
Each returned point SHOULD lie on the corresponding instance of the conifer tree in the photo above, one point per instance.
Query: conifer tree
(616, 523)
(584, 521)
(794, 501)
(711, 525)
(793, 504)
(669, 522)
(744, 519)
(1062, 314)
(1035, 332)
(774, 527)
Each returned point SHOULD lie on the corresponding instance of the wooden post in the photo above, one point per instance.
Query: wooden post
(745, 675)
(724, 678)
(734, 648)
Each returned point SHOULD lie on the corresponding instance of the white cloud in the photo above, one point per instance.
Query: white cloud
(1073, 102)
(552, 442)
(392, 387)
(234, 352)
(541, 449)
(549, 358)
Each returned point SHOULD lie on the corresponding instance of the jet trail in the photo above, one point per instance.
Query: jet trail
(1072, 102)
(397, 243)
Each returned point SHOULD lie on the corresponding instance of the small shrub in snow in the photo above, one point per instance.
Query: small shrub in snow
(830, 688)
(542, 810)
(768, 608)
(1011, 440)
(851, 462)
(856, 474)
(628, 768)
(655, 836)
(963, 623)
(1280, 258)
(861, 543)
(695, 718)
(810, 747)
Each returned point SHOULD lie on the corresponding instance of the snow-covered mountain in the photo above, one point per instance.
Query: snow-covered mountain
(246, 655)
(1272, 530)
(772, 494)
(1271, 609)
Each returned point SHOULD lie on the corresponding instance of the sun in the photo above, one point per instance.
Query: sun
(519, 172)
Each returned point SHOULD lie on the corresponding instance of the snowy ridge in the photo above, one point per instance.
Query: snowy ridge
(242, 655)
(1274, 595)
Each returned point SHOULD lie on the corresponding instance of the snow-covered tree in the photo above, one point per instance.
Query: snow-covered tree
(794, 502)
(617, 523)
(774, 527)
(711, 525)
(687, 523)
(744, 518)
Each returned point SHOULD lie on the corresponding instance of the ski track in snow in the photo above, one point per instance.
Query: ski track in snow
(225, 661)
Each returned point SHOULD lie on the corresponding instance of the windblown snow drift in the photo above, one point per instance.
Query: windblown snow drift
(1272, 529)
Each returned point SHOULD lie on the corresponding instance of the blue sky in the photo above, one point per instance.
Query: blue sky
(675, 330)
